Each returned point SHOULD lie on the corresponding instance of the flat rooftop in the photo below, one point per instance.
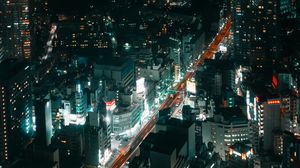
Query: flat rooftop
(176, 123)
(10, 68)
(165, 142)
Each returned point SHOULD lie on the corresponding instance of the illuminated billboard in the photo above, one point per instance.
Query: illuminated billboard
(177, 73)
(110, 105)
(191, 86)
(76, 119)
(140, 85)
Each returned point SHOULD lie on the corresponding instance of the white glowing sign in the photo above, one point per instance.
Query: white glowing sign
(191, 86)
(110, 105)
(75, 119)
(223, 49)
(248, 104)
(237, 153)
(140, 85)
(255, 109)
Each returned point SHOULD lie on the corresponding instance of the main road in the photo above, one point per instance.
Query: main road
(128, 150)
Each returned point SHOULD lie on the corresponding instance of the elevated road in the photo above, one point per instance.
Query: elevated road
(127, 151)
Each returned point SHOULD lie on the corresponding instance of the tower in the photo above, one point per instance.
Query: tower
(16, 109)
(16, 28)
(255, 33)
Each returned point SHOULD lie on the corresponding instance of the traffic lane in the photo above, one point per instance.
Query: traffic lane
(206, 55)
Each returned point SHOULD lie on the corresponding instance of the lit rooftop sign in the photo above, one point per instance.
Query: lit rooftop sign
(273, 102)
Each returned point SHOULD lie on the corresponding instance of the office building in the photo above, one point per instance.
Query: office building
(126, 116)
(70, 141)
(98, 136)
(289, 107)
(229, 125)
(215, 76)
(120, 70)
(84, 32)
(153, 73)
(191, 47)
(184, 127)
(16, 109)
(255, 26)
(43, 117)
(16, 29)
(168, 154)
(291, 150)
(269, 122)
(75, 107)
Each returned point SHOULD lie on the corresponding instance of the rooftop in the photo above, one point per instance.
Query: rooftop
(11, 67)
(166, 142)
(176, 123)
(233, 115)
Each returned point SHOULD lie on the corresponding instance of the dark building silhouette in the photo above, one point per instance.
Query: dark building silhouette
(16, 109)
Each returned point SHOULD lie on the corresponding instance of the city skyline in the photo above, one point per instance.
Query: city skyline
(149, 83)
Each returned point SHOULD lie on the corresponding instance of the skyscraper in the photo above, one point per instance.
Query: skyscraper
(255, 32)
(16, 28)
(16, 109)
(43, 121)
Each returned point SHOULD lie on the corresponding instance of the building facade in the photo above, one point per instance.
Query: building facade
(16, 25)
(16, 109)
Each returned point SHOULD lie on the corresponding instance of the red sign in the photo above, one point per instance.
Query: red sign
(274, 82)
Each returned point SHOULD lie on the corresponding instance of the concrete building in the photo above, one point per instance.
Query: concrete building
(77, 33)
(291, 150)
(120, 70)
(186, 128)
(168, 154)
(255, 41)
(71, 145)
(16, 127)
(215, 76)
(43, 115)
(152, 73)
(97, 136)
(229, 125)
(192, 46)
(125, 117)
(269, 122)
(15, 16)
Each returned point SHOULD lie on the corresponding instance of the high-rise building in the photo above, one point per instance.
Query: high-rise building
(184, 127)
(243, 29)
(269, 123)
(16, 109)
(291, 150)
(228, 126)
(256, 33)
(98, 136)
(84, 33)
(16, 28)
(120, 70)
(43, 115)
(78, 112)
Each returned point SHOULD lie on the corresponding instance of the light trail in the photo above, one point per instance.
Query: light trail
(49, 44)
(129, 149)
